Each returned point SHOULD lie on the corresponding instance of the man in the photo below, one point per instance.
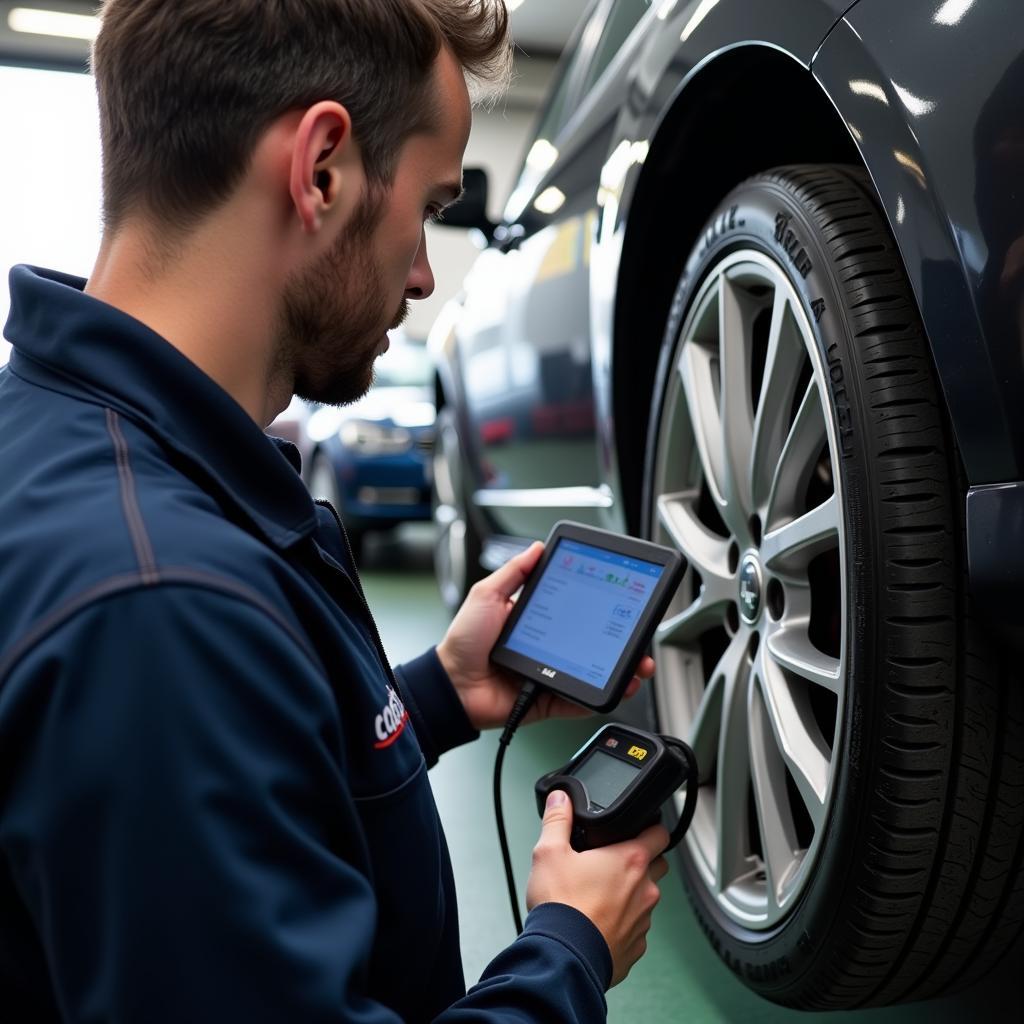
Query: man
(198, 818)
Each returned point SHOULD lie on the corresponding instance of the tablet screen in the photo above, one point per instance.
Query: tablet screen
(583, 611)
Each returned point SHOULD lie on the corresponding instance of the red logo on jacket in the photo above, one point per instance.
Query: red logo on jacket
(391, 722)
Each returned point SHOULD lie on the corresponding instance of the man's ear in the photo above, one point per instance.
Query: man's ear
(322, 153)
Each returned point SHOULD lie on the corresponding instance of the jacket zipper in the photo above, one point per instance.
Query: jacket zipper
(358, 587)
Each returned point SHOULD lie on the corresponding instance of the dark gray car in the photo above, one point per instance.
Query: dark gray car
(759, 294)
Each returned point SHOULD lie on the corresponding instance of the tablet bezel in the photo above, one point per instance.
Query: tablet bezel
(579, 691)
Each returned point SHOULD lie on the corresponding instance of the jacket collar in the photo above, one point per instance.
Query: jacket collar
(86, 348)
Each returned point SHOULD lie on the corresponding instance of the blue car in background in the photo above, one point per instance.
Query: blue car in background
(372, 460)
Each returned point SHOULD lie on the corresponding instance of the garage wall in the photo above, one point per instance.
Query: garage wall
(50, 176)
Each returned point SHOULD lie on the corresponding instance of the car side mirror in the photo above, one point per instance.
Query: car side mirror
(471, 210)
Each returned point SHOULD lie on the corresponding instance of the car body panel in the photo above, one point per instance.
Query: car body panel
(531, 343)
(955, 220)
(544, 325)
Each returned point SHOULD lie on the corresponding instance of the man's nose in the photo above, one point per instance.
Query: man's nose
(420, 284)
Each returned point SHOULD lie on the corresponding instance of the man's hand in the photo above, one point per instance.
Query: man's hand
(487, 693)
(615, 886)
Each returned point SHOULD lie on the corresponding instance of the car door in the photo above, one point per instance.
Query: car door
(524, 335)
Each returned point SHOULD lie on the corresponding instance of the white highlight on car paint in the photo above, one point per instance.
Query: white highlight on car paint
(542, 156)
(914, 104)
(952, 11)
(666, 9)
(617, 167)
(53, 23)
(704, 8)
(871, 89)
(901, 210)
(551, 200)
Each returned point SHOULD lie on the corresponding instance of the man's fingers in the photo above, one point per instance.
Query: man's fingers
(512, 575)
(557, 827)
(646, 667)
(658, 869)
(654, 840)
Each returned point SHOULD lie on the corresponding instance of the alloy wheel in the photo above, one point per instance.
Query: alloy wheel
(752, 662)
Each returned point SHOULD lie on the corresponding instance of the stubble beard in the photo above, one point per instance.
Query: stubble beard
(333, 317)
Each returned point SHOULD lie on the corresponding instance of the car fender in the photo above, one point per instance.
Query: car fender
(683, 42)
(929, 150)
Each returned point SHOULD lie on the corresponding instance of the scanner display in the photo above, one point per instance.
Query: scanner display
(583, 611)
(605, 778)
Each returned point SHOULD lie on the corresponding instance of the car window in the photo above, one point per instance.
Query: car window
(557, 113)
(624, 17)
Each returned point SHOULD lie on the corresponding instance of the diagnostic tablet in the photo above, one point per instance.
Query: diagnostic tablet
(588, 612)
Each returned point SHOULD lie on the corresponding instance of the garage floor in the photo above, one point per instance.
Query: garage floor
(680, 978)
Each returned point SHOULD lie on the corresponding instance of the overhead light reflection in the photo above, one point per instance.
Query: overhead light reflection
(901, 210)
(613, 174)
(914, 104)
(542, 156)
(551, 200)
(53, 23)
(870, 89)
(952, 11)
(704, 8)
(856, 132)
(907, 161)
(667, 7)
(513, 5)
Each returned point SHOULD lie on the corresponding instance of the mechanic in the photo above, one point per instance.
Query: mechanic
(213, 793)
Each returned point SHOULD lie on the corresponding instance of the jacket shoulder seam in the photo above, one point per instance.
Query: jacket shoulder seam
(116, 586)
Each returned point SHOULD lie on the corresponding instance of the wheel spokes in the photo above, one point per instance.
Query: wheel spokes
(797, 736)
(748, 491)
(735, 331)
(799, 457)
(779, 843)
(706, 728)
(791, 547)
(792, 650)
(700, 391)
(781, 373)
(732, 773)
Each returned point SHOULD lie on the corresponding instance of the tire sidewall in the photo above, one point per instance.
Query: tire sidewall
(764, 216)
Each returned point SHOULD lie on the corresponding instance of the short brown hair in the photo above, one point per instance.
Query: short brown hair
(186, 87)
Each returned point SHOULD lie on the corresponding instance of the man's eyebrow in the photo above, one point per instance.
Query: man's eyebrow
(453, 190)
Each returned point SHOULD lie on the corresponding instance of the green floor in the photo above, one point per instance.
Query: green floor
(680, 978)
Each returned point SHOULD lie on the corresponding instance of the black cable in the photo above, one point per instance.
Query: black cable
(692, 786)
(523, 703)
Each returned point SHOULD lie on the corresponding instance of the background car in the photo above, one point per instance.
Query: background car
(372, 460)
(758, 294)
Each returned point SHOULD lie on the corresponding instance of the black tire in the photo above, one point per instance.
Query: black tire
(457, 543)
(918, 885)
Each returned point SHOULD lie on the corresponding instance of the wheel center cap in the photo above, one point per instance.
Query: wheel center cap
(750, 589)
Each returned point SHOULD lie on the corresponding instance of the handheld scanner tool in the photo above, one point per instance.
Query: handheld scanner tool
(618, 782)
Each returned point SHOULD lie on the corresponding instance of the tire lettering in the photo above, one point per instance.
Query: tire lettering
(725, 222)
(818, 308)
(787, 238)
(840, 401)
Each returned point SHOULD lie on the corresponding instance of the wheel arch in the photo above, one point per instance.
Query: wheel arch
(708, 141)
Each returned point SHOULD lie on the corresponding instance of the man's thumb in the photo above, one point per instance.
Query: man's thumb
(558, 816)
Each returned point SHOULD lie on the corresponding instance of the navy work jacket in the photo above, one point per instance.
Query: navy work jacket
(214, 802)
